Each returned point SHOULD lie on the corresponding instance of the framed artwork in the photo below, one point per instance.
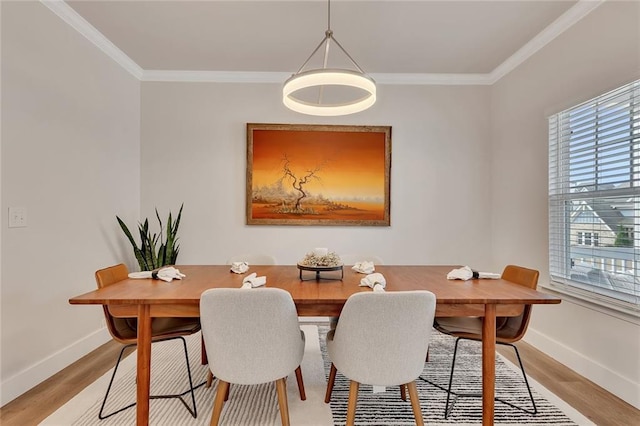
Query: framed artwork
(300, 174)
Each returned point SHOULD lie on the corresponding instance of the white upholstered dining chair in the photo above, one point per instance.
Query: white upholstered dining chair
(252, 336)
(351, 259)
(252, 259)
(381, 340)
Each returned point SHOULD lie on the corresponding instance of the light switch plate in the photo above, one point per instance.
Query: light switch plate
(17, 217)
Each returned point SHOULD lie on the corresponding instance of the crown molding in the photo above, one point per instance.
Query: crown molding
(544, 37)
(77, 22)
(433, 79)
(215, 76)
(280, 77)
(581, 9)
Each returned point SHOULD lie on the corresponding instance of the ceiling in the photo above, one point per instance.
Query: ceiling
(383, 37)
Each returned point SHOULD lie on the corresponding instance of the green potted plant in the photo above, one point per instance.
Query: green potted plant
(149, 255)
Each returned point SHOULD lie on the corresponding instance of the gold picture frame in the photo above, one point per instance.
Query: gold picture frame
(304, 174)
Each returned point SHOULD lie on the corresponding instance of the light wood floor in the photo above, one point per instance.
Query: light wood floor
(592, 401)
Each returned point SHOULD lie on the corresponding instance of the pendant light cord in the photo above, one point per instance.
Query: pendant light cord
(328, 36)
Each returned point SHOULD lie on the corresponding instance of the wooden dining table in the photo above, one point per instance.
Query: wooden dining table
(324, 296)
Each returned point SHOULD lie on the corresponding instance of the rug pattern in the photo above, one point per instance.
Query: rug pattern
(387, 408)
(257, 405)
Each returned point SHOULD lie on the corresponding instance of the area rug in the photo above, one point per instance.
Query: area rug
(247, 405)
(387, 408)
(257, 405)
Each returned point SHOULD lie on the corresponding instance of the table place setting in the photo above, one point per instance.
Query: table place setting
(239, 267)
(466, 273)
(376, 281)
(167, 274)
(253, 281)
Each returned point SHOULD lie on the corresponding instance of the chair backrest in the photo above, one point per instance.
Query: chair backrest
(382, 338)
(121, 329)
(351, 259)
(251, 336)
(514, 328)
(253, 259)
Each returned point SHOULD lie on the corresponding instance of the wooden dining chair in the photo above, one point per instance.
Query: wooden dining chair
(508, 331)
(381, 340)
(124, 330)
(252, 337)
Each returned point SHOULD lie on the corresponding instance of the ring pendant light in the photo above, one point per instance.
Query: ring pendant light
(323, 77)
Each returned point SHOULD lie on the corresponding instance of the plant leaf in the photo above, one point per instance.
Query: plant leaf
(136, 250)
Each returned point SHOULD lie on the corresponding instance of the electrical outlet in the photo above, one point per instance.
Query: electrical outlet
(17, 217)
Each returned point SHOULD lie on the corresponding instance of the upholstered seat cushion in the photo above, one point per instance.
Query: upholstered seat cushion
(470, 327)
(127, 328)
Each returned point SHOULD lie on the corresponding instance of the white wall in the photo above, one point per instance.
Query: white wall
(194, 151)
(83, 141)
(598, 54)
(70, 155)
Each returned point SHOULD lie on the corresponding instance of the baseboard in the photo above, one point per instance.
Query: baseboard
(28, 378)
(613, 382)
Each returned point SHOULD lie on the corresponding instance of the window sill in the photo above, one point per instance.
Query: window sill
(585, 300)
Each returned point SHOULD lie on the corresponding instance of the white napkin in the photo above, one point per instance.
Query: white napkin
(364, 267)
(489, 275)
(252, 281)
(375, 281)
(464, 273)
(239, 267)
(167, 274)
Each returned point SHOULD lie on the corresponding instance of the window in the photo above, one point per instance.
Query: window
(594, 199)
(588, 238)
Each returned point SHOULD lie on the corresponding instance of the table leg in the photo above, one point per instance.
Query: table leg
(488, 364)
(144, 365)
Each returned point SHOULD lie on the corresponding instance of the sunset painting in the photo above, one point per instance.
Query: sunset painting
(318, 174)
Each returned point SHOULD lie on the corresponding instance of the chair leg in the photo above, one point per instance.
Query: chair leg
(303, 395)
(330, 383)
(204, 360)
(223, 387)
(448, 408)
(209, 382)
(453, 363)
(193, 412)
(415, 403)
(353, 401)
(403, 392)
(106, 395)
(524, 376)
(282, 400)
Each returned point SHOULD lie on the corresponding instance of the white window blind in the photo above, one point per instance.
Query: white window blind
(594, 199)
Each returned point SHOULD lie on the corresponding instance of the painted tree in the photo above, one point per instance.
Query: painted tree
(298, 181)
